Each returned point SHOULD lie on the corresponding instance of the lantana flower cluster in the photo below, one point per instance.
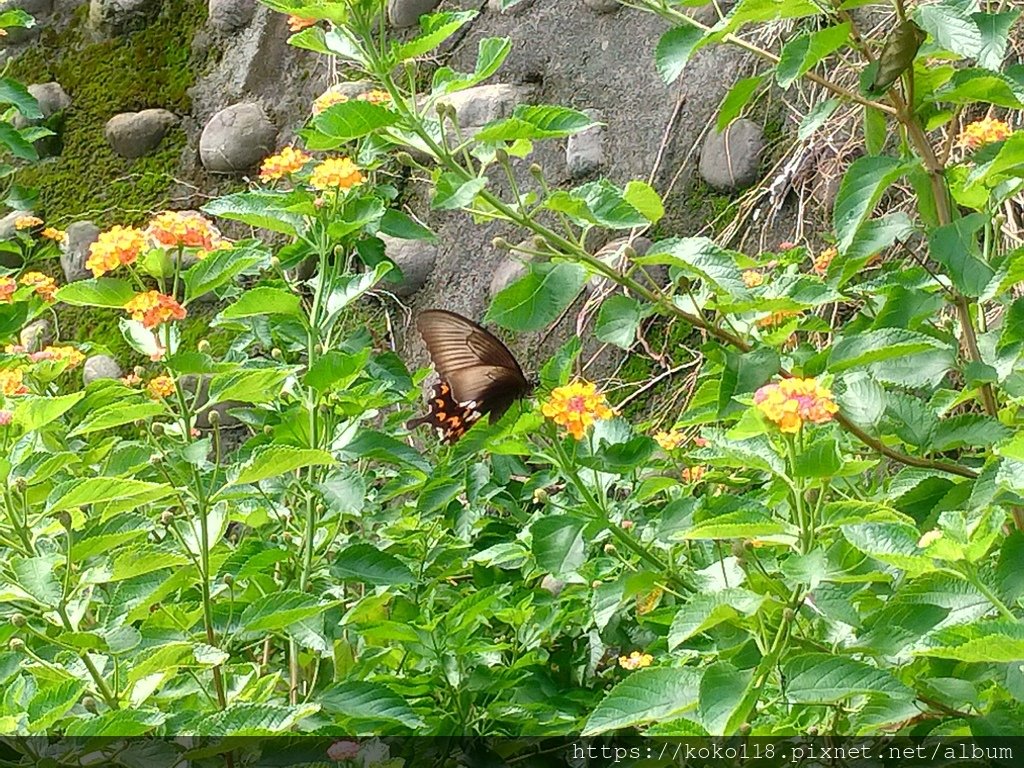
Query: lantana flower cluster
(985, 131)
(791, 403)
(576, 407)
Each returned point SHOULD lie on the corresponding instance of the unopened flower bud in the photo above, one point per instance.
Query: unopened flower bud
(536, 170)
(788, 614)
(500, 244)
(166, 517)
(286, 536)
(441, 108)
(744, 729)
(18, 619)
(595, 583)
(89, 703)
(321, 508)
(276, 353)
(203, 345)
(139, 371)
(214, 418)
(627, 524)
(540, 496)
(739, 548)
(16, 644)
(267, 429)
(405, 159)
(65, 520)
(609, 549)
(157, 429)
(20, 484)
(501, 155)
(275, 263)
(229, 579)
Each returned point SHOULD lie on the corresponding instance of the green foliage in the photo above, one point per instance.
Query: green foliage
(828, 537)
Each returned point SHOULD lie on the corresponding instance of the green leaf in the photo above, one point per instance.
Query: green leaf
(99, 292)
(452, 191)
(19, 146)
(353, 119)
(401, 225)
(13, 92)
(816, 118)
(823, 678)
(539, 298)
(744, 524)
(702, 258)
(969, 86)
(955, 246)
(558, 545)
(644, 199)
(117, 414)
(950, 24)
(264, 301)
(706, 610)
(36, 576)
(169, 657)
(95, 490)
(675, 49)
(645, 696)
(279, 610)
(891, 543)
(51, 703)
(968, 429)
(279, 459)
(820, 459)
(860, 190)
(265, 209)
(990, 642)
(252, 719)
(995, 37)
(108, 535)
(36, 412)
(879, 345)
(256, 385)
(736, 99)
(368, 702)
(619, 320)
(365, 563)
(219, 268)
(122, 723)
(541, 121)
(436, 28)
(722, 690)
(803, 53)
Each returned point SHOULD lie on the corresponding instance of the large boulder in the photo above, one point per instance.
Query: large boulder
(236, 139)
(406, 13)
(477, 106)
(415, 258)
(116, 17)
(731, 160)
(227, 16)
(134, 134)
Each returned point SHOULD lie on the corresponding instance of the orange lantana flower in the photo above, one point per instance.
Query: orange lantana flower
(576, 406)
(790, 403)
(154, 308)
(116, 247)
(288, 161)
(336, 173)
(44, 285)
(183, 229)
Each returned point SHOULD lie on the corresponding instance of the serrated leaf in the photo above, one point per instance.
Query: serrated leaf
(264, 300)
(278, 610)
(674, 50)
(95, 490)
(539, 298)
(558, 545)
(367, 701)
(98, 292)
(116, 415)
(879, 345)
(706, 610)
(743, 524)
(279, 459)
(252, 719)
(822, 678)
(645, 696)
(860, 190)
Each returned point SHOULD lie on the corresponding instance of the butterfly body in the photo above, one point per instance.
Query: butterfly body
(478, 375)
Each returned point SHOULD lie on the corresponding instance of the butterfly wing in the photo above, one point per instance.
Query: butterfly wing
(446, 415)
(477, 366)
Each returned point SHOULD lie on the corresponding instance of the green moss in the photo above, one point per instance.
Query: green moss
(149, 68)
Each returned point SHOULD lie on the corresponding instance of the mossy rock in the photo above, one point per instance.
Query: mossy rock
(153, 67)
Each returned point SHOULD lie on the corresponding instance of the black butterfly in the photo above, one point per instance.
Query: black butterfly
(478, 375)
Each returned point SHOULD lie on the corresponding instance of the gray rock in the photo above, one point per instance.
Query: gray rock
(100, 367)
(482, 104)
(227, 16)
(731, 160)
(134, 134)
(406, 13)
(117, 17)
(189, 383)
(81, 235)
(416, 259)
(551, 584)
(584, 151)
(36, 335)
(51, 99)
(7, 228)
(236, 139)
(523, 5)
(602, 6)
